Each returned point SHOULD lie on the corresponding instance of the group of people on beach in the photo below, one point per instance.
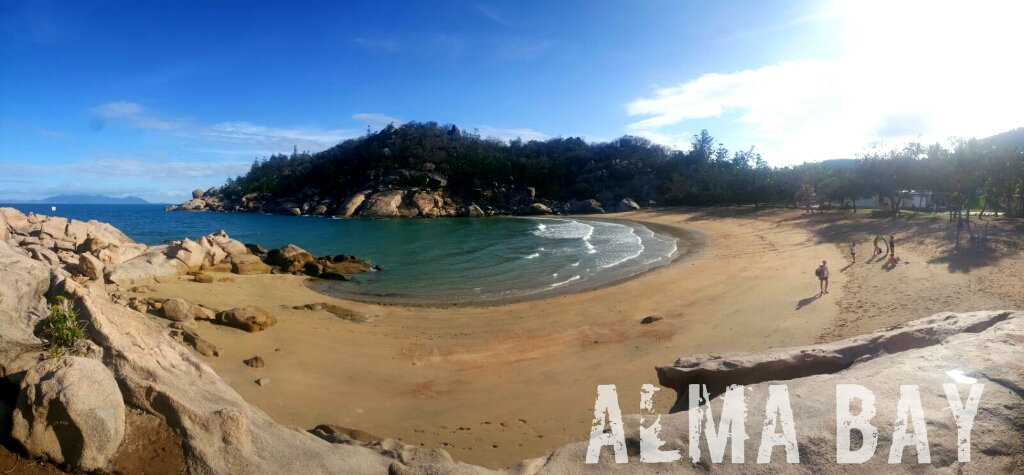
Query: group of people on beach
(890, 248)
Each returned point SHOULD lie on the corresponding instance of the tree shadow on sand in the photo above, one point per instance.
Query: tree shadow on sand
(979, 253)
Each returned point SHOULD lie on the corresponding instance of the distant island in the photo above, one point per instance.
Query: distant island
(86, 200)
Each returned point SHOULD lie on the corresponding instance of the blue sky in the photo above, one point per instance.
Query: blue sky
(154, 99)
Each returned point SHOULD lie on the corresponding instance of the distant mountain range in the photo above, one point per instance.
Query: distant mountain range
(85, 200)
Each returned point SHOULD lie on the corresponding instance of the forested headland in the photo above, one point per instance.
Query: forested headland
(467, 168)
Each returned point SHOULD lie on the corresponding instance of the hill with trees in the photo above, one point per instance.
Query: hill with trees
(454, 170)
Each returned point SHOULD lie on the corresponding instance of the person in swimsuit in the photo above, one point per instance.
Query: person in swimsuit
(853, 251)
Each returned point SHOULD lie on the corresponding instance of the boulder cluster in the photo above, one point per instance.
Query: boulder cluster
(404, 194)
(99, 254)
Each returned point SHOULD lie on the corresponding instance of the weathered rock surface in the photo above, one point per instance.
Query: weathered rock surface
(156, 262)
(251, 319)
(538, 208)
(248, 264)
(90, 266)
(353, 203)
(23, 282)
(178, 310)
(290, 258)
(70, 410)
(255, 362)
(590, 206)
(627, 204)
(474, 211)
(384, 204)
(43, 254)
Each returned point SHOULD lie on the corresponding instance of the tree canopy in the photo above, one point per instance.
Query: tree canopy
(988, 172)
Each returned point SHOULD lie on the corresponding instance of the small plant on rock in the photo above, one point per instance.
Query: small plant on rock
(62, 327)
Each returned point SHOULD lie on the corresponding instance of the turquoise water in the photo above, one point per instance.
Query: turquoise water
(425, 260)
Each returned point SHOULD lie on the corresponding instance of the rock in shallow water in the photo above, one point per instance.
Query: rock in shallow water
(70, 410)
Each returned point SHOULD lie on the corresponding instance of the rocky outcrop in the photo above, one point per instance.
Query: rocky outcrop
(590, 206)
(960, 349)
(385, 204)
(248, 264)
(90, 266)
(538, 209)
(717, 371)
(474, 211)
(43, 254)
(101, 252)
(290, 258)
(23, 282)
(70, 411)
(178, 310)
(353, 204)
(251, 319)
(627, 204)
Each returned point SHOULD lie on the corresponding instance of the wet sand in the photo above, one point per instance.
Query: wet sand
(493, 385)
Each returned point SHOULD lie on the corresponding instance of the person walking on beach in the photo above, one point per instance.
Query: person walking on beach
(878, 250)
(853, 251)
(822, 273)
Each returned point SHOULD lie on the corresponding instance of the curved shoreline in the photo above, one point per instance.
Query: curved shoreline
(694, 240)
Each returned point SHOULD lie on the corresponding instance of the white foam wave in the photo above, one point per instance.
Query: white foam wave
(558, 284)
(531, 256)
(639, 242)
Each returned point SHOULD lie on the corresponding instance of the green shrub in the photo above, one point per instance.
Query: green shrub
(62, 328)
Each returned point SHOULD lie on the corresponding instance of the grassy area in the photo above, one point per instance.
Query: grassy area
(62, 327)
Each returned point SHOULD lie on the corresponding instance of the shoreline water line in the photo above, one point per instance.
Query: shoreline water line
(688, 244)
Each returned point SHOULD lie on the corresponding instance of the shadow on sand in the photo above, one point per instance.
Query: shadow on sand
(807, 301)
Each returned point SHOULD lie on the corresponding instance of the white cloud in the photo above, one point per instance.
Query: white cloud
(52, 134)
(511, 134)
(128, 168)
(923, 72)
(266, 139)
(313, 139)
(493, 14)
(132, 114)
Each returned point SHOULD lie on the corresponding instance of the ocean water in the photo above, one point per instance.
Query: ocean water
(426, 260)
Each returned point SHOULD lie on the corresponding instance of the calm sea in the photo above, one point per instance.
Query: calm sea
(425, 260)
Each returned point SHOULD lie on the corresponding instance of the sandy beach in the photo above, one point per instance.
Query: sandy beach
(494, 385)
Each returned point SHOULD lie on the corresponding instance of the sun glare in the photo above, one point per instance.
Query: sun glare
(947, 59)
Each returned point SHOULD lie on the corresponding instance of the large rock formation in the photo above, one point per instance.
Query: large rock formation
(590, 206)
(353, 204)
(70, 410)
(178, 310)
(248, 264)
(290, 258)
(627, 204)
(959, 349)
(251, 319)
(383, 205)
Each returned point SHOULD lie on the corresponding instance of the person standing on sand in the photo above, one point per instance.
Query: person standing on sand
(892, 246)
(853, 251)
(878, 250)
(822, 273)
